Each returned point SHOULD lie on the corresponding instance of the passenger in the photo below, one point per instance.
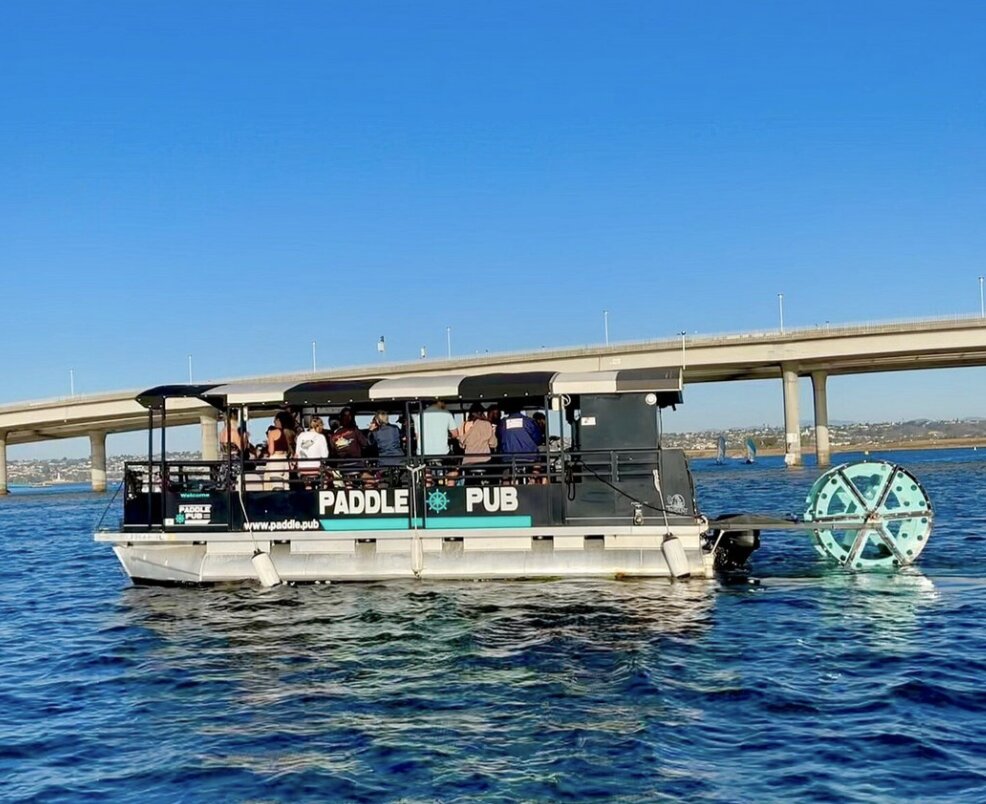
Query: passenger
(386, 437)
(436, 426)
(478, 437)
(262, 451)
(519, 438)
(493, 415)
(233, 439)
(280, 447)
(311, 449)
(289, 426)
(407, 432)
(348, 443)
(434, 431)
(347, 440)
(234, 447)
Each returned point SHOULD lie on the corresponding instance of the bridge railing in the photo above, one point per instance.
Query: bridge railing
(669, 342)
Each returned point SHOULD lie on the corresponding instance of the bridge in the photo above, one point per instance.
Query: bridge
(816, 353)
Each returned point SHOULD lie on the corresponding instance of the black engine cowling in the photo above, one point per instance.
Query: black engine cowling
(735, 547)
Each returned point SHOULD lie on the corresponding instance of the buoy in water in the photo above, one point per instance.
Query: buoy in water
(266, 571)
(674, 554)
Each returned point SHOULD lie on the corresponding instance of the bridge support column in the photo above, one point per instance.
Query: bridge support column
(3, 464)
(97, 460)
(822, 452)
(792, 424)
(210, 436)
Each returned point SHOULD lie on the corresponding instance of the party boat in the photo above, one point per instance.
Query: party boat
(600, 496)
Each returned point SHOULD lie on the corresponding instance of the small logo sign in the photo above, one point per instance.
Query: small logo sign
(437, 501)
(193, 513)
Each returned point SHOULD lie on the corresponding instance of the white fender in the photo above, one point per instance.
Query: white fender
(266, 571)
(674, 554)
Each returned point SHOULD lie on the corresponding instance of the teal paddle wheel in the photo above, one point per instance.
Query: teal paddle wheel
(873, 515)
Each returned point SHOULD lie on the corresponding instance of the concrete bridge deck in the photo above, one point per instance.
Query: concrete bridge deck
(816, 352)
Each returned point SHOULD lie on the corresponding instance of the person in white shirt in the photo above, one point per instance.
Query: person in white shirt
(435, 426)
(310, 448)
(434, 433)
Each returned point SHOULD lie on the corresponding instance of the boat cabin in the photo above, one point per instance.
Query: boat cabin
(595, 458)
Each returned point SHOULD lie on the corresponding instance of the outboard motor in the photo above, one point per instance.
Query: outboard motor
(735, 547)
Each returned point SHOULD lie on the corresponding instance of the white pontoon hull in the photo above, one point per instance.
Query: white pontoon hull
(167, 557)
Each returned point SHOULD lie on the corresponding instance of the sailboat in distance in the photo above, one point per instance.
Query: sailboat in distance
(751, 451)
(721, 451)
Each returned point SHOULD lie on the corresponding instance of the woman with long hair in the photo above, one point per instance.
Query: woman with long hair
(280, 447)
(477, 438)
(234, 439)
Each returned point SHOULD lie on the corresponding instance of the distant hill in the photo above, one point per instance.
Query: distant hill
(923, 431)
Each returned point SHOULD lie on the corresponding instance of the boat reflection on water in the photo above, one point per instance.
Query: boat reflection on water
(327, 668)
(358, 682)
(274, 630)
(879, 609)
(884, 609)
(332, 620)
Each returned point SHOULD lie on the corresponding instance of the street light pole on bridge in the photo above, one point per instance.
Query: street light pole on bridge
(982, 307)
(780, 305)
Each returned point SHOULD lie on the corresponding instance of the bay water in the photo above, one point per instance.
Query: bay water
(800, 683)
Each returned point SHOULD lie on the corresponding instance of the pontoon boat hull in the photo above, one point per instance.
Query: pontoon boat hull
(202, 558)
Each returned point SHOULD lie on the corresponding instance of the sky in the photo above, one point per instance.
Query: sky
(234, 180)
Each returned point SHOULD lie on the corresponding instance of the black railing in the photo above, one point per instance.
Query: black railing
(274, 474)
(146, 505)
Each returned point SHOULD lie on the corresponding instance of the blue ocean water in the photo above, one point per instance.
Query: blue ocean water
(804, 683)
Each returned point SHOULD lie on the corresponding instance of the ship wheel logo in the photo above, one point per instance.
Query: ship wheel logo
(437, 501)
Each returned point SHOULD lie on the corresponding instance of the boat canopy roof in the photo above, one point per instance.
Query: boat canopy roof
(154, 397)
(664, 383)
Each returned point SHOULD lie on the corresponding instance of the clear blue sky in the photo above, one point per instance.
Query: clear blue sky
(232, 180)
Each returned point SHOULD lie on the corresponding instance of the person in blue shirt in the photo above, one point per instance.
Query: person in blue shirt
(386, 437)
(519, 435)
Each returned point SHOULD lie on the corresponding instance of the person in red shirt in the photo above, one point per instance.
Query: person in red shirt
(348, 444)
(348, 441)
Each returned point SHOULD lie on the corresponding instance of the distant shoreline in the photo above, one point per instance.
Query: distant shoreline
(735, 454)
(887, 446)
